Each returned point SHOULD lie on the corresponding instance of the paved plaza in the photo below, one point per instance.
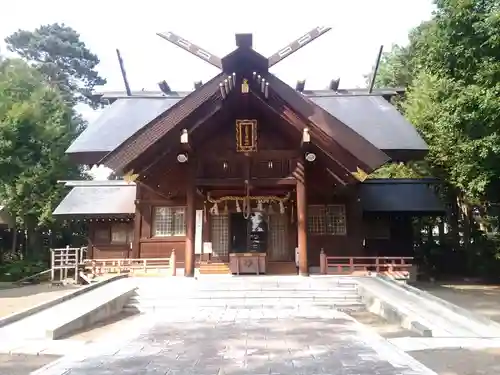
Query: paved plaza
(242, 341)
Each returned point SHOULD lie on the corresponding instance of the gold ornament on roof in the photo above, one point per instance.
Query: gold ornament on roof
(244, 86)
(360, 174)
(130, 176)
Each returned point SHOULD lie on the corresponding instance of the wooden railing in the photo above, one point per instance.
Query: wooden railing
(130, 265)
(350, 265)
(65, 261)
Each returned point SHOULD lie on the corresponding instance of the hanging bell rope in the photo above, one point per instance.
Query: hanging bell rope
(248, 204)
(263, 198)
(238, 208)
(282, 208)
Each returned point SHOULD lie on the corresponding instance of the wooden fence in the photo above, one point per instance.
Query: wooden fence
(130, 265)
(397, 267)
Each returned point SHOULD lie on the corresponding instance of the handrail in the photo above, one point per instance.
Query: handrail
(349, 265)
(131, 265)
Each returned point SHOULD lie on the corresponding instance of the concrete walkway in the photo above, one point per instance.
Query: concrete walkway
(216, 340)
(443, 322)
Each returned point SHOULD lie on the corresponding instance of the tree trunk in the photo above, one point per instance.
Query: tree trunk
(442, 237)
(466, 213)
(14, 238)
(453, 220)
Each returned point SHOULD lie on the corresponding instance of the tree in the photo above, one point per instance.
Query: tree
(35, 130)
(63, 59)
(452, 68)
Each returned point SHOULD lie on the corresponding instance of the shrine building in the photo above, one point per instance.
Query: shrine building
(248, 172)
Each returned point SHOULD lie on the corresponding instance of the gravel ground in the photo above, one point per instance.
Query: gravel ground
(16, 299)
(460, 361)
(479, 298)
(23, 364)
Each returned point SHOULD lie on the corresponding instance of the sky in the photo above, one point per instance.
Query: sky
(348, 51)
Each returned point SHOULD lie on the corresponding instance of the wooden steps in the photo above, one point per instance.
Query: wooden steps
(273, 268)
(214, 268)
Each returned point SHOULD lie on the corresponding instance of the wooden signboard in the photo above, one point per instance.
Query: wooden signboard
(246, 135)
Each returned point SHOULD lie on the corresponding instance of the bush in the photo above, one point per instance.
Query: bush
(16, 270)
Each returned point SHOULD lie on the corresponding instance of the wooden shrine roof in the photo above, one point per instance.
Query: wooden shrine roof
(372, 117)
(98, 198)
(115, 198)
(400, 195)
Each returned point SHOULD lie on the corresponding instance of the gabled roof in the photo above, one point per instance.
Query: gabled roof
(117, 198)
(400, 195)
(158, 128)
(376, 120)
(371, 116)
(98, 198)
(116, 124)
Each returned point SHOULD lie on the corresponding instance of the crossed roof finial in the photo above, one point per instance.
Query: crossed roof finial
(275, 58)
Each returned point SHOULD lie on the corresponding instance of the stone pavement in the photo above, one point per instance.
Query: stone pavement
(242, 341)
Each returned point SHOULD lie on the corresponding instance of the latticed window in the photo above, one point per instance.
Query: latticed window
(121, 233)
(220, 235)
(329, 220)
(169, 221)
(278, 238)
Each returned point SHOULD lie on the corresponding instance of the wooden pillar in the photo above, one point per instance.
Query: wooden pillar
(189, 257)
(136, 243)
(302, 219)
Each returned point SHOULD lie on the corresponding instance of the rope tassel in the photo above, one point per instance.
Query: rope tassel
(214, 210)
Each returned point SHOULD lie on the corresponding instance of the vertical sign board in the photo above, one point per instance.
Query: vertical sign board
(198, 233)
(246, 135)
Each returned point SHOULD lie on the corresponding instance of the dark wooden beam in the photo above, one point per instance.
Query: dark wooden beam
(192, 48)
(124, 73)
(165, 123)
(328, 130)
(375, 70)
(254, 182)
(297, 44)
(302, 221)
(173, 146)
(136, 244)
(189, 256)
(329, 160)
(259, 155)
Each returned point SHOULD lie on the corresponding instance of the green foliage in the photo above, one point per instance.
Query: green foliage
(16, 270)
(35, 130)
(460, 123)
(401, 170)
(451, 68)
(63, 59)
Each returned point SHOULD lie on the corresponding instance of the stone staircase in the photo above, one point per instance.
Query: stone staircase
(245, 292)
